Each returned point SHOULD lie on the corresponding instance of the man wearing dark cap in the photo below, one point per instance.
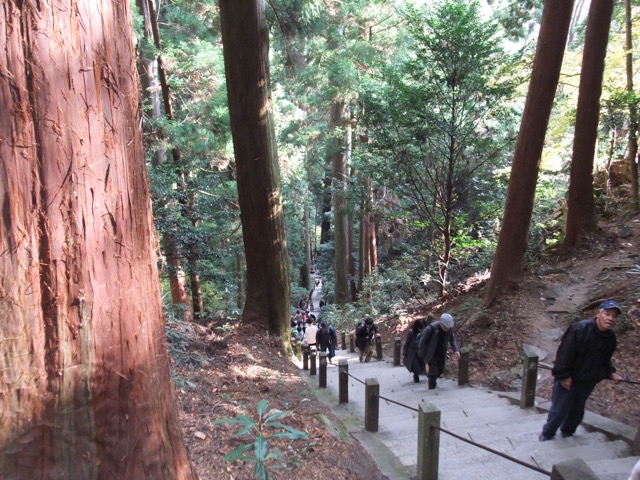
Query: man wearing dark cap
(582, 361)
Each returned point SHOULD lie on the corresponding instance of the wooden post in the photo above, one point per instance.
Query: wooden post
(396, 351)
(352, 343)
(529, 378)
(378, 348)
(312, 370)
(635, 448)
(573, 470)
(344, 340)
(371, 404)
(343, 381)
(428, 441)
(463, 367)
(322, 379)
(305, 358)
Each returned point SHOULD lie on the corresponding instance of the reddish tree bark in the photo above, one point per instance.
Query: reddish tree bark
(581, 216)
(84, 372)
(507, 270)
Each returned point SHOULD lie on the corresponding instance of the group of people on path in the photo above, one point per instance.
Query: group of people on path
(323, 338)
(427, 345)
(583, 359)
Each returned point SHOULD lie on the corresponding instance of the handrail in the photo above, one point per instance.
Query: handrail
(496, 452)
(471, 442)
(355, 378)
(623, 380)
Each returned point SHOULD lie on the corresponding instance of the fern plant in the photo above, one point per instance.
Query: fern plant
(264, 427)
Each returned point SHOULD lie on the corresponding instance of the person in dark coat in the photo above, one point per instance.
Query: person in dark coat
(365, 333)
(433, 344)
(410, 358)
(326, 338)
(582, 361)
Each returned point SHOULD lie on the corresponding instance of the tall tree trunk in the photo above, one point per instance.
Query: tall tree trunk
(581, 215)
(306, 239)
(85, 384)
(506, 270)
(325, 221)
(197, 303)
(245, 36)
(364, 265)
(152, 88)
(337, 151)
(633, 113)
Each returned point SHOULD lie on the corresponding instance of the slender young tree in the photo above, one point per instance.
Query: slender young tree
(245, 39)
(633, 112)
(581, 214)
(153, 79)
(84, 371)
(506, 269)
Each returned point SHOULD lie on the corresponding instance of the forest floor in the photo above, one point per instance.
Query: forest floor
(238, 366)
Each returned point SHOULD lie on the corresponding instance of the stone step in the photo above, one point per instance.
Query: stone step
(477, 417)
(613, 469)
(552, 452)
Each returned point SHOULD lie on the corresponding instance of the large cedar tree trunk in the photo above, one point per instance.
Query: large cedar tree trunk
(507, 270)
(336, 149)
(581, 216)
(84, 372)
(246, 58)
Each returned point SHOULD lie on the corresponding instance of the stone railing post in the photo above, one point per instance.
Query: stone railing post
(572, 470)
(428, 441)
(529, 378)
(378, 348)
(322, 379)
(463, 367)
(396, 351)
(371, 404)
(312, 370)
(343, 381)
(305, 357)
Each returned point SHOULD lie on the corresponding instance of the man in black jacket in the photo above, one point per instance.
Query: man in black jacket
(365, 333)
(433, 344)
(583, 359)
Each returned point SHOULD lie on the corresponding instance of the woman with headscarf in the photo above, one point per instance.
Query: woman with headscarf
(410, 358)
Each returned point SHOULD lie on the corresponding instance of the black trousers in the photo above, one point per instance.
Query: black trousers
(436, 368)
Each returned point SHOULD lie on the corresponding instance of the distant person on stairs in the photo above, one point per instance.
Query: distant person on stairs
(433, 344)
(365, 333)
(410, 358)
(582, 361)
(326, 340)
(309, 340)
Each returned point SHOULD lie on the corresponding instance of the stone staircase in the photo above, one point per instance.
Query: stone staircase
(480, 415)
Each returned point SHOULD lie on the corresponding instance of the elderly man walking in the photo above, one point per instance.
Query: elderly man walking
(432, 346)
(582, 361)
